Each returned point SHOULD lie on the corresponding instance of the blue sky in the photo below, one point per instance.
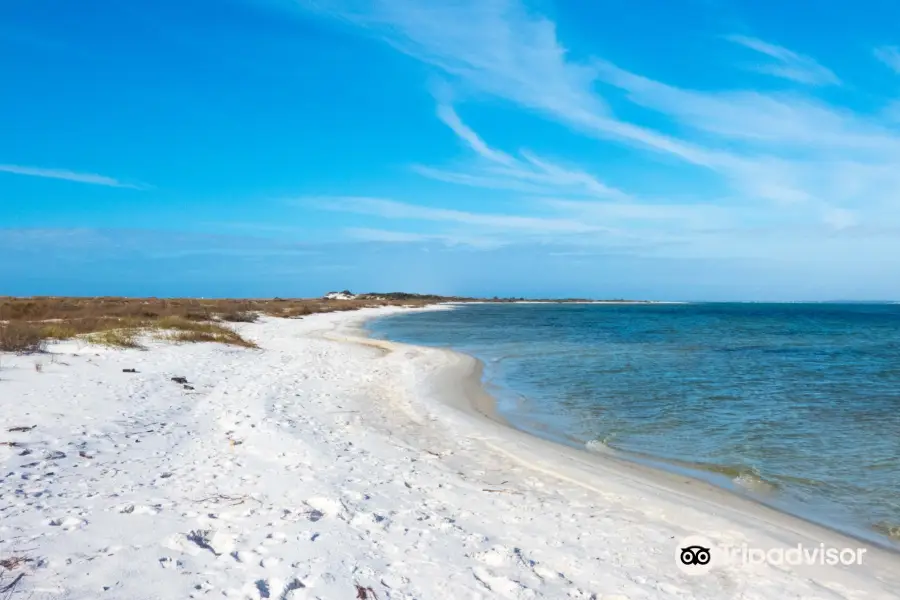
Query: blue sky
(704, 149)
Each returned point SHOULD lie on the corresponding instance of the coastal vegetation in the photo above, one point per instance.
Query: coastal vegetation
(26, 324)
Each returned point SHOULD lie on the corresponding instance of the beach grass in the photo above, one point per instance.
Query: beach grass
(116, 338)
(223, 337)
(240, 317)
(20, 337)
(185, 330)
(58, 331)
(27, 324)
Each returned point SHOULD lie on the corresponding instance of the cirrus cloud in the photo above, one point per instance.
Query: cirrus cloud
(66, 175)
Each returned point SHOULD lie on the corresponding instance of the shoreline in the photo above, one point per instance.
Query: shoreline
(470, 396)
(324, 463)
(478, 399)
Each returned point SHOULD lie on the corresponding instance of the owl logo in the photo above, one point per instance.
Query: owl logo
(695, 555)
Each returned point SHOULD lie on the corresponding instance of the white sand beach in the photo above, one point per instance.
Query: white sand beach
(325, 465)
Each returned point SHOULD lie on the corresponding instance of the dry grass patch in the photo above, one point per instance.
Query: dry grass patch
(193, 331)
(20, 337)
(59, 331)
(116, 338)
(181, 324)
(224, 337)
(240, 317)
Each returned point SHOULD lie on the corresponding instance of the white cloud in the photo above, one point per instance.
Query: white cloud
(63, 174)
(889, 55)
(787, 64)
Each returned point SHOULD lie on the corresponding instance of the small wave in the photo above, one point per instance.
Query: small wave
(748, 478)
(755, 483)
(600, 446)
(891, 530)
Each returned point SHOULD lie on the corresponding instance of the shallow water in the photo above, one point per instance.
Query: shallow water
(796, 405)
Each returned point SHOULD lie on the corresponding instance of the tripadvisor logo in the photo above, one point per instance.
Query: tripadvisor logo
(696, 555)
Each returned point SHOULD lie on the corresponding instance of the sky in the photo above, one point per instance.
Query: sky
(691, 150)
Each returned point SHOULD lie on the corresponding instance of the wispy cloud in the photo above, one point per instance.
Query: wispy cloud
(452, 120)
(66, 175)
(695, 216)
(581, 222)
(776, 161)
(499, 47)
(370, 234)
(459, 238)
(121, 243)
(495, 45)
(777, 119)
(782, 147)
(787, 64)
(392, 209)
(529, 173)
(482, 180)
(889, 55)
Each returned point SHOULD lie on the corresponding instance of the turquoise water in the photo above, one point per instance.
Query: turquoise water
(795, 405)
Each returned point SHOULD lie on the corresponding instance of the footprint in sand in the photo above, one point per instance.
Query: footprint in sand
(274, 538)
(137, 509)
(67, 523)
(503, 586)
(243, 556)
(323, 507)
(495, 557)
(275, 588)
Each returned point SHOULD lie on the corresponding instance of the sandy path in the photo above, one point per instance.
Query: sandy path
(317, 468)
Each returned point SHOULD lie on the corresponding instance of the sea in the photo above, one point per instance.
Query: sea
(796, 406)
